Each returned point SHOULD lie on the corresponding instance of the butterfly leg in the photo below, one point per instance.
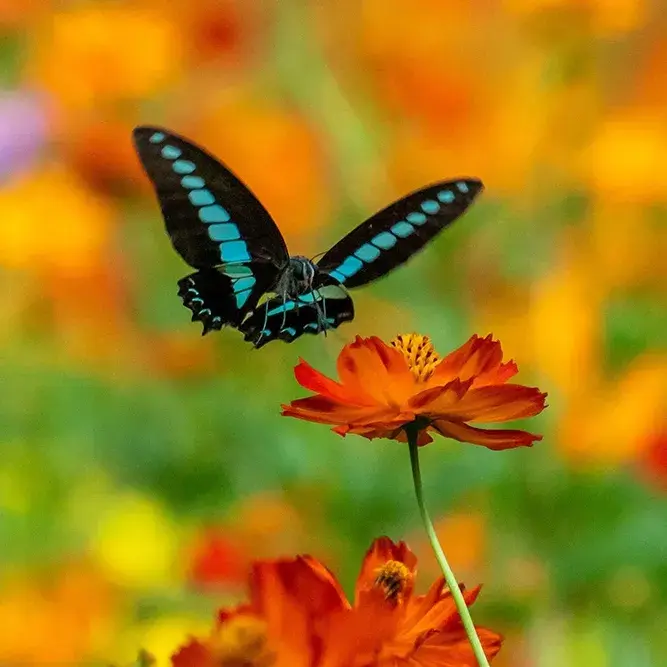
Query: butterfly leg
(263, 329)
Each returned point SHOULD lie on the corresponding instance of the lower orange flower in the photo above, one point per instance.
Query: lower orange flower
(384, 388)
(298, 616)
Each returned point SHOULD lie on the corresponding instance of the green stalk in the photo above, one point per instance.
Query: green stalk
(412, 431)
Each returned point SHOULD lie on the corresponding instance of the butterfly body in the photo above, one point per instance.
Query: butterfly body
(222, 230)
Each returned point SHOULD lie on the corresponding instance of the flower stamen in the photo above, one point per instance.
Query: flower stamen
(419, 353)
(393, 578)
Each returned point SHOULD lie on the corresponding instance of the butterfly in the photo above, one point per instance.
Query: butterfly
(245, 277)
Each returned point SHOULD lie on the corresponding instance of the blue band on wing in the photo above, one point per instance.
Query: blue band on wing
(221, 228)
(386, 240)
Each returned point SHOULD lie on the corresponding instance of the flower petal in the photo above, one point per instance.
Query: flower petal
(438, 399)
(495, 403)
(313, 380)
(289, 594)
(477, 358)
(380, 552)
(324, 410)
(493, 439)
(193, 654)
(371, 369)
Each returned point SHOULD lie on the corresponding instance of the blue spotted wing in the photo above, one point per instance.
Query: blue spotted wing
(325, 308)
(216, 224)
(391, 236)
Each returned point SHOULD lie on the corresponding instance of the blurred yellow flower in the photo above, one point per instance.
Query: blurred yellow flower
(554, 325)
(93, 53)
(624, 159)
(52, 222)
(605, 17)
(158, 637)
(135, 543)
(612, 427)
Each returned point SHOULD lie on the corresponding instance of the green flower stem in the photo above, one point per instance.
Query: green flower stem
(412, 431)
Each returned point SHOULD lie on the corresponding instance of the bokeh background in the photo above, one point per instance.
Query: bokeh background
(143, 466)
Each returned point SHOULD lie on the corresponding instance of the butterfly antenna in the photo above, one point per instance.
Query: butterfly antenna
(316, 257)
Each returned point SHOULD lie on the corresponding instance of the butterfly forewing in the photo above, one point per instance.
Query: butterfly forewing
(212, 218)
(391, 236)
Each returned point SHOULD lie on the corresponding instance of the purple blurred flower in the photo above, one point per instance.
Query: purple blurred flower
(23, 130)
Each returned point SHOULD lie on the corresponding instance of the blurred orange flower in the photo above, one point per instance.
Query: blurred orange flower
(91, 54)
(653, 460)
(76, 606)
(216, 560)
(384, 388)
(298, 616)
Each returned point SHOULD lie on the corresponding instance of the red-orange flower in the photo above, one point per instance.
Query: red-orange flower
(298, 616)
(384, 387)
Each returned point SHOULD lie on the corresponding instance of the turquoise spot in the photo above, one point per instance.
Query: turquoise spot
(183, 167)
(191, 182)
(214, 213)
(446, 196)
(309, 298)
(282, 308)
(416, 218)
(238, 271)
(384, 240)
(350, 266)
(242, 297)
(312, 325)
(463, 187)
(402, 229)
(227, 232)
(430, 206)
(330, 320)
(265, 332)
(201, 197)
(157, 137)
(243, 284)
(289, 330)
(367, 253)
(337, 275)
(171, 152)
(234, 251)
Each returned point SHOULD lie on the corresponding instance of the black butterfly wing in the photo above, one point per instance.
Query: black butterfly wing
(224, 295)
(322, 309)
(391, 236)
(213, 220)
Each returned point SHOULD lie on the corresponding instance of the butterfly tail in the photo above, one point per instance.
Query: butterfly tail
(207, 293)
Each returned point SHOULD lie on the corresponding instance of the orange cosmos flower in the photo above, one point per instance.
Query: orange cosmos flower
(298, 616)
(384, 388)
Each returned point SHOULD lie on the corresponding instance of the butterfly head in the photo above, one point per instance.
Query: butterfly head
(302, 272)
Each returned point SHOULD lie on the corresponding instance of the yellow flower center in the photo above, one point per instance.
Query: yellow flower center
(420, 354)
(393, 578)
(241, 642)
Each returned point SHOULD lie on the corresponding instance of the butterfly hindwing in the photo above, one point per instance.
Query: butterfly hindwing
(391, 236)
(289, 319)
(224, 295)
(211, 217)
